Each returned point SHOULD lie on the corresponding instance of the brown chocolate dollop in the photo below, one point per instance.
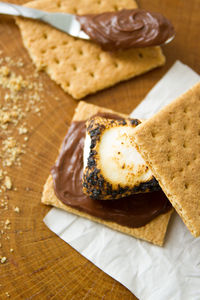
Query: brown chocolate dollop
(134, 211)
(124, 29)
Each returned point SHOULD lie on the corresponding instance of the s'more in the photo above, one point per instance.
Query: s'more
(169, 142)
(138, 208)
(81, 67)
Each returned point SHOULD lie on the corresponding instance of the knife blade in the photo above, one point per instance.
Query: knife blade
(62, 21)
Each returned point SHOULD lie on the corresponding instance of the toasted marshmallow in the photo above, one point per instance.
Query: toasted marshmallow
(113, 168)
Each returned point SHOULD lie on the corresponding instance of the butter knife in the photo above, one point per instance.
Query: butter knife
(158, 30)
(62, 21)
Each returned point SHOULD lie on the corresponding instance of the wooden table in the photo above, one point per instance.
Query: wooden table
(41, 265)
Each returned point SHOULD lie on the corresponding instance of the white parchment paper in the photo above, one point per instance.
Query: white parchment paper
(150, 272)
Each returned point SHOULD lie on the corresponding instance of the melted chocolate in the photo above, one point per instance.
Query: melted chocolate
(133, 211)
(127, 28)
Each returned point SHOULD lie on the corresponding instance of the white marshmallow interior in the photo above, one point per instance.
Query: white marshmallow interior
(120, 162)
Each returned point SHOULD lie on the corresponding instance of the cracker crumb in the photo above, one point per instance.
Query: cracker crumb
(22, 97)
(11, 250)
(8, 183)
(37, 109)
(4, 71)
(22, 130)
(7, 222)
(16, 209)
(11, 151)
(10, 80)
(3, 259)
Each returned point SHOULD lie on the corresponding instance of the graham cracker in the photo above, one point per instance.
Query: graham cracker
(81, 67)
(169, 142)
(153, 232)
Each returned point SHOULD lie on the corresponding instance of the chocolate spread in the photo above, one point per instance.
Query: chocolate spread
(133, 211)
(127, 28)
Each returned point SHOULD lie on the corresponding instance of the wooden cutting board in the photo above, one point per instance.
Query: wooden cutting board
(36, 263)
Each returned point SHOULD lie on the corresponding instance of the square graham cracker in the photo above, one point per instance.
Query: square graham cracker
(81, 67)
(153, 232)
(169, 142)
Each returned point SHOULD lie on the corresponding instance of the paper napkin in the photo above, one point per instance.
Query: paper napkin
(150, 272)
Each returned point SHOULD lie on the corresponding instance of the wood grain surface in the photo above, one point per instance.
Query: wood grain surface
(39, 265)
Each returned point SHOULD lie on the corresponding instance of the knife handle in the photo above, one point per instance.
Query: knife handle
(19, 10)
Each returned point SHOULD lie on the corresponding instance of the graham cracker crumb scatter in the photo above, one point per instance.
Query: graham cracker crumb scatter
(21, 98)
